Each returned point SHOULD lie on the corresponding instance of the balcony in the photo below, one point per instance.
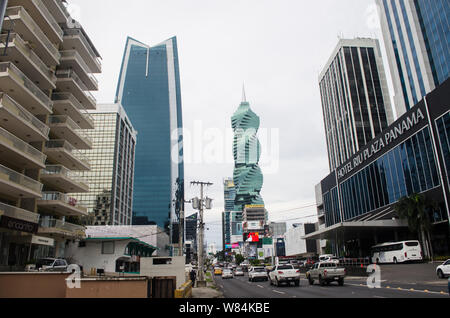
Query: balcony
(26, 60)
(53, 226)
(14, 185)
(67, 104)
(58, 9)
(62, 152)
(20, 122)
(73, 60)
(62, 179)
(75, 39)
(41, 15)
(18, 20)
(19, 214)
(16, 152)
(63, 127)
(61, 204)
(69, 81)
(14, 83)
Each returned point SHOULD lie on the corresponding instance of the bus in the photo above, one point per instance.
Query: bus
(397, 252)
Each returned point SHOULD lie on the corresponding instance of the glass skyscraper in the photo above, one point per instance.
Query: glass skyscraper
(248, 178)
(149, 90)
(417, 38)
(110, 180)
(355, 98)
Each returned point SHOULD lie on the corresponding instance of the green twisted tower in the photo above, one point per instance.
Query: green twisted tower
(248, 178)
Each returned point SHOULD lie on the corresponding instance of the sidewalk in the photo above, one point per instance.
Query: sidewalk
(210, 291)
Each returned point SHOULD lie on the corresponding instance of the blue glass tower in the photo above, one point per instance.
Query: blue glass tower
(149, 90)
(417, 38)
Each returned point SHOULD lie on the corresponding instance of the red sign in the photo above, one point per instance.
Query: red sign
(253, 237)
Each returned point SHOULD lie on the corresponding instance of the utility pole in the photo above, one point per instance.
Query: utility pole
(200, 276)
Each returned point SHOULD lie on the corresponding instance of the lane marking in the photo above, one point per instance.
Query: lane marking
(276, 291)
(406, 290)
(260, 286)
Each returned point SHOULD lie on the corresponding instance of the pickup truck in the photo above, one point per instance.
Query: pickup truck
(325, 273)
(284, 274)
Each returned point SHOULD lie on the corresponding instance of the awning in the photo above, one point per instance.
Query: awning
(357, 229)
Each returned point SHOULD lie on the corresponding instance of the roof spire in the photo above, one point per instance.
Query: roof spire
(244, 98)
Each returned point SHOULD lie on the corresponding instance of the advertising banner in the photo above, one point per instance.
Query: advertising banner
(261, 254)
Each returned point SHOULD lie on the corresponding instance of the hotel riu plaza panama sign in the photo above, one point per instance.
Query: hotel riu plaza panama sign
(381, 142)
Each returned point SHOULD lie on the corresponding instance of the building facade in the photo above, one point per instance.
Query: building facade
(296, 246)
(110, 180)
(411, 156)
(355, 98)
(247, 177)
(46, 75)
(416, 37)
(149, 90)
(229, 197)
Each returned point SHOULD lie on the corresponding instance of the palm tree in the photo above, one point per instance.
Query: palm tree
(415, 209)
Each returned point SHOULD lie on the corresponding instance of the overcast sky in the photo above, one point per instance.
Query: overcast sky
(278, 48)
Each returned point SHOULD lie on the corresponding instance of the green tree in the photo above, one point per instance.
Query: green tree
(416, 210)
(239, 259)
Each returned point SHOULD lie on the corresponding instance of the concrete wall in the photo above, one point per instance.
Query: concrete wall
(53, 285)
(295, 245)
(90, 256)
(33, 285)
(110, 288)
(176, 268)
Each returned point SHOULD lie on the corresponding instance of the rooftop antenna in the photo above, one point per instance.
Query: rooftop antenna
(244, 98)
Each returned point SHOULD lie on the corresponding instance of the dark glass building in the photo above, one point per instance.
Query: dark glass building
(355, 98)
(416, 34)
(149, 90)
(410, 156)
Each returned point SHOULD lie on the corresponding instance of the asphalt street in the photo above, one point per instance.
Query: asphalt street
(240, 287)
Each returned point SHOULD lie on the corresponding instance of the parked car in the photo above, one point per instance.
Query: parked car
(51, 265)
(325, 273)
(443, 270)
(284, 274)
(227, 273)
(256, 273)
(218, 271)
(238, 271)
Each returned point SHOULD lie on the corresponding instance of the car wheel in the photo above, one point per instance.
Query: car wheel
(270, 282)
(277, 283)
(440, 274)
(310, 281)
(321, 281)
(297, 283)
(341, 282)
(395, 260)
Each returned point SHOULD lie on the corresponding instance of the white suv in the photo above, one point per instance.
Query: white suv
(443, 270)
(257, 273)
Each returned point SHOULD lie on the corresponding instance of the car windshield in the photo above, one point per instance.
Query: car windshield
(227, 271)
(285, 267)
(44, 262)
(238, 269)
(258, 269)
(412, 243)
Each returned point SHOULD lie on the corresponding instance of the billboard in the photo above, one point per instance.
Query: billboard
(253, 225)
(260, 253)
(252, 237)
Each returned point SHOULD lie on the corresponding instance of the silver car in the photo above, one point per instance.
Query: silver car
(227, 273)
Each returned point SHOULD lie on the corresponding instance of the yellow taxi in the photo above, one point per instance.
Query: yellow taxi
(217, 271)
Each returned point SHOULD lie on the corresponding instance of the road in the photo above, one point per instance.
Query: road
(240, 287)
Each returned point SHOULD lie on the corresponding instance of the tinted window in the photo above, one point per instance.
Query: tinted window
(285, 267)
(412, 243)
